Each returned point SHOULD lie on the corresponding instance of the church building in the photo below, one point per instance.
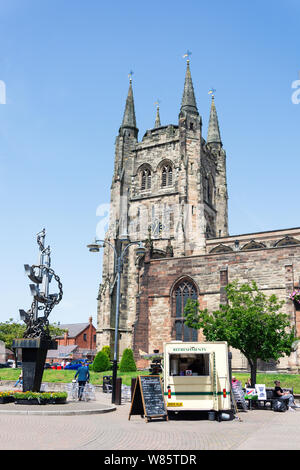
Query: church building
(169, 191)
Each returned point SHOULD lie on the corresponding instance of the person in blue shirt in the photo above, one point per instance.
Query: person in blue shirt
(83, 375)
(20, 379)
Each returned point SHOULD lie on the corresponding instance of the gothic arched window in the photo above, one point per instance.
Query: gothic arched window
(146, 179)
(183, 291)
(286, 241)
(166, 176)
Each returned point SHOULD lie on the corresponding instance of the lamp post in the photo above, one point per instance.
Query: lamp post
(95, 248)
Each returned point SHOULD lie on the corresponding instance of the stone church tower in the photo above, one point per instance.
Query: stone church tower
(169, 190)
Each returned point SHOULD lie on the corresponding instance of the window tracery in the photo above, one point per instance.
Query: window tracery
(146, 179)
(182, 292)
(166, 175)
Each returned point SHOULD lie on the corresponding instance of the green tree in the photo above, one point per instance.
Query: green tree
(127, 363)
(101, 362)
(55, 330)
(250, 321)
(11, 330)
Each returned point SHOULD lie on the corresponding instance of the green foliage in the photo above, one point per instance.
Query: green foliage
(127, 363)
(250, 322)
(55, 330)
(106, 350)
(39, 395)
(101, 362)
(11, 330)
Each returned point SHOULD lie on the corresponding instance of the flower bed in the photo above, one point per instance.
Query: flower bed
(40, 398)
(58, 398)
(7, 397)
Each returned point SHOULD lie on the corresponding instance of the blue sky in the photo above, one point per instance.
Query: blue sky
(65, 65)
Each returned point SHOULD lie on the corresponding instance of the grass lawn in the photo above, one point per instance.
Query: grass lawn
(66, 376)
(286, 380)
(96, 378)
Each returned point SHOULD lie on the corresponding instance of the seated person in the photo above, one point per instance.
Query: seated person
(235, 382)
(248, 383)
(286, 396)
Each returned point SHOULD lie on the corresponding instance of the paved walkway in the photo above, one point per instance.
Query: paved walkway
(258, 429)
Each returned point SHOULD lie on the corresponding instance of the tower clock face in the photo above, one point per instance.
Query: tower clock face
(156, 227)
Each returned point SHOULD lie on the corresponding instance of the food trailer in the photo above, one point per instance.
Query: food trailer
(197, 377)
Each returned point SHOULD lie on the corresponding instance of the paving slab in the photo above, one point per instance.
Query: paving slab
(255, 430)
(101, 404)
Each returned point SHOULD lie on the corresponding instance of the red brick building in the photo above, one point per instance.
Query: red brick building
(81, 335)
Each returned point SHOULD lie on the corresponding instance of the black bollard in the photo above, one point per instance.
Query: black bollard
(118, 398)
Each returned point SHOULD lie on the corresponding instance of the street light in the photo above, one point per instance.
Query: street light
(95, 248)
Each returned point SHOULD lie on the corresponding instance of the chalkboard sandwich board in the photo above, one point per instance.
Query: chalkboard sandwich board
(148, 398)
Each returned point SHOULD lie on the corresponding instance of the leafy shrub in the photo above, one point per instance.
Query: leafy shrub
(39, 395)
(101, 362)
(106, 350)
(127, 363)
(59, 395)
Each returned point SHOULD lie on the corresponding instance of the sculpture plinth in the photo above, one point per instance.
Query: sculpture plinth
(34, 353)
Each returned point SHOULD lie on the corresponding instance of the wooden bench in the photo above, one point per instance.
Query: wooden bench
(271, 398)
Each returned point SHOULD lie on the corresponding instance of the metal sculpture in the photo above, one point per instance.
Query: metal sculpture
(41, 274)
(37, 340)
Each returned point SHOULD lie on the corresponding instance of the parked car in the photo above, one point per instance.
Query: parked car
(54, 365)
(11, 363)
(74, 365)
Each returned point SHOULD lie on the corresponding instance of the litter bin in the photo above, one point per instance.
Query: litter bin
(107, 383)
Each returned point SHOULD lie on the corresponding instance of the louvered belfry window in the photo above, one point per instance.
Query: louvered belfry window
(166, 176)
(184, 291)
(146, 179)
